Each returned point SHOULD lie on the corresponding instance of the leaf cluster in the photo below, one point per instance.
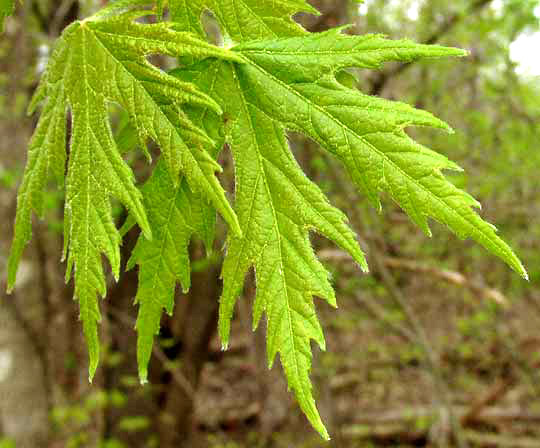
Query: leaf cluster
(271, 76)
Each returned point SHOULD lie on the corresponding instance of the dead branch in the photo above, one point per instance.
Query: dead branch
(448, 25)
(492, 415)
(177, 376)
(394, 436)
(494, 394)
(501, 441)
(453, 277)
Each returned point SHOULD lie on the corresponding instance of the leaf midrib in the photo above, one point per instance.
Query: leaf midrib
(497, 242)
(288, 308)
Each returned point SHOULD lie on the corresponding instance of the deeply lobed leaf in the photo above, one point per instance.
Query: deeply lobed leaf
(96, 171)
(276, 206)
(175, 215)
(365, 133)
(243, 20)
(290, 84)
(277, 78)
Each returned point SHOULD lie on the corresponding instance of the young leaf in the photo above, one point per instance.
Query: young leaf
(293, 81)
(243, 20)
(88, 49)
(175, 214)
(279, 78)
(277, 207)
(290, 84)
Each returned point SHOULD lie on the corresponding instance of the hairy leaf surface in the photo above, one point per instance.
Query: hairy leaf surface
(290, 84)
(175, 214)
(243, 20)
(117, 47)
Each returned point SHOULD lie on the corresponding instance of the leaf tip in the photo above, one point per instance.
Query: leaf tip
(360, 259)
(523, 272)
(143, 376)
(323, 432)
(92, 372)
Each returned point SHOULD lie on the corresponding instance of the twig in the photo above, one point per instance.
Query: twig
(423, 341)
(453, 277)
(495, 393)
(400, 435)
(501, 441)
(60, 17)
(491, 415)
(177, 376)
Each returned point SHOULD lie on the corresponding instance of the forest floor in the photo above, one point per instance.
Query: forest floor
(463, 372)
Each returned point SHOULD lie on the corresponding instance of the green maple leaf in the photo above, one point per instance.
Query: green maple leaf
(266, 86)
(277, 206)
(242, 20)
(293, 80)
(175, 214)
(6, 9)
(290, 84)
(115, 46)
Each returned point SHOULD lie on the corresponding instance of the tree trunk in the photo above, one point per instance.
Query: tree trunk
(192, 327)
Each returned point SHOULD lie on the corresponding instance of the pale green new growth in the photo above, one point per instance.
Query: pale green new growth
(290, 84)
(242, 20)
(96, 62)
(293, 81)
(275, 78)
(276, 206)
(175, 214)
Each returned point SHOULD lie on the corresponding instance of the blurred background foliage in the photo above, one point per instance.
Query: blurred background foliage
(438, 346)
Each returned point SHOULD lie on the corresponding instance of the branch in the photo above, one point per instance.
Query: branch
(453, 277)
(177, 376)
(394, 436)
(382, 79)
(494, 394)
(480, 439)
(404, 416)
(448, 420)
